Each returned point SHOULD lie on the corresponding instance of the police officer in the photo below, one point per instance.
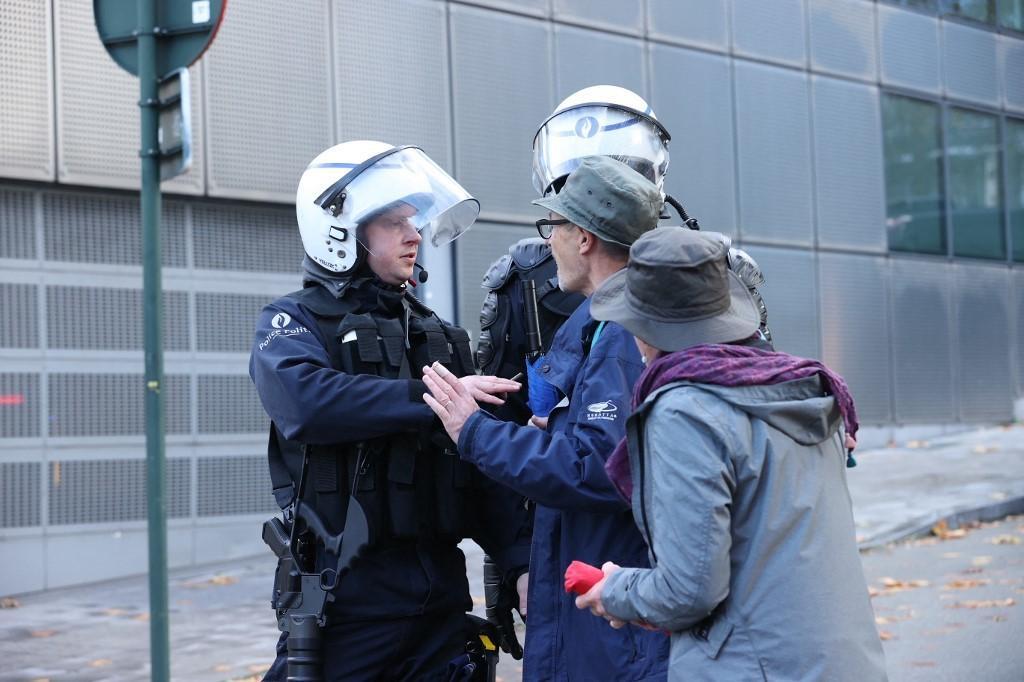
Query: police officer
(336, 365)
(603, 207)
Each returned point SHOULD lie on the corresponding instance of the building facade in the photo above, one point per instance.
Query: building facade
(869, 155)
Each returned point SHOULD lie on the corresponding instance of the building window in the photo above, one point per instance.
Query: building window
(972, 145)
(913, 175)
(978, 10)
(1015, 185)
(1011, 14)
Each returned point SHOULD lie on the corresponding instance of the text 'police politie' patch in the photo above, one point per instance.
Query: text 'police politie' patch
(605, 409)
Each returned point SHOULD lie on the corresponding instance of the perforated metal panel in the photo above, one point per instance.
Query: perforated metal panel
(112, 404)
(268, 97)
(774, 150)
(106, 490)
(983, 327)
(908, 48)
(497, 116)
(1011, 68)
(584, 58)
(17, 224)
(20, 312)
(234, 485)
(475, 251)
(702, 173)
(532, 7)
(843, 38)
(20, 494)
(110, 319)
(26, 81)
(922, 329)
(614, 15)
(262, 239)
(770, 29)
(855, 329)
(849, 169)
(97, 228)
(969, 63)
(401, 43)
(19, 415)
(225, 322)
(694, 22)
(97, 110)
(790, 293)
(229, 404)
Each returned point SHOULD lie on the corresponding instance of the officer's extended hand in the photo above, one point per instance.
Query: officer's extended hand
(454, 399)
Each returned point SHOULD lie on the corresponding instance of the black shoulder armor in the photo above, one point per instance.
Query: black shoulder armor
(524, 256)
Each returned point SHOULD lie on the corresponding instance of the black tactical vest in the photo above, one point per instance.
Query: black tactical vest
(411, 485)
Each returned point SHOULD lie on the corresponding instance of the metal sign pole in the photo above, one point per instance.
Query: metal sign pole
(155, 457)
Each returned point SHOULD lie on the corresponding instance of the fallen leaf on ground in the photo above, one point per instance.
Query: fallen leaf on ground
(984, 449)
(215, 580)
(915, 444)
(982, 603)
(43, 633)
(1005, 540)
(113, 612)
(965, 583)
(923, 664)
(885, 635)
(221, 668)
(9, 603)
(142, 617)
(891, 585)
(981, 560)
(886, 620)
(942, 530)
(973, 569)
(247, 678)
(100, 662)
(999, 619)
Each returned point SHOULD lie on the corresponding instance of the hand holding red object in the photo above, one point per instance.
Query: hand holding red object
(580, 577)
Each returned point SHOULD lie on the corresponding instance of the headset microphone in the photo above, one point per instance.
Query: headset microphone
(421, 278)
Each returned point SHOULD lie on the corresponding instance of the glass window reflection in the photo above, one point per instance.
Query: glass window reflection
(978, 10)
(1015, 185)
(974, 184)
(913, 175)
(1011, 14)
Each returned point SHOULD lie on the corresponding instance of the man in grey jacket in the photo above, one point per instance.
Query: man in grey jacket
(734, 465)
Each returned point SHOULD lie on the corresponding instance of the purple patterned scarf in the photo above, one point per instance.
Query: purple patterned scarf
(726, 365)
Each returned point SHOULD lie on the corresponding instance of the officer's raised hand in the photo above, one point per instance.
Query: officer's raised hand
(454, 399)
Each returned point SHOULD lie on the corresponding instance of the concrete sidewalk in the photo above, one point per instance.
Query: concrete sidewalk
(222, 628)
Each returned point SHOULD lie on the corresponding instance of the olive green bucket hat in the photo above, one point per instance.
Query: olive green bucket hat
(608, 198)
(678, 291)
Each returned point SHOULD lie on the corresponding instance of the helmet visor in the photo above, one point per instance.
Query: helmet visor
(596, 130)
(403, 187)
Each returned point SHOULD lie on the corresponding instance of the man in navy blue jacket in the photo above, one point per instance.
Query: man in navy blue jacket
(558, 462)
(337, 368)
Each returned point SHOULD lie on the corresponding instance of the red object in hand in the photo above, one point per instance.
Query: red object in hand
(580, 577)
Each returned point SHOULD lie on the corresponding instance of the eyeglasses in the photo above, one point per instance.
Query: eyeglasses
(545, 226)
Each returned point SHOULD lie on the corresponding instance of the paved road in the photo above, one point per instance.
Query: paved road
(952, 609)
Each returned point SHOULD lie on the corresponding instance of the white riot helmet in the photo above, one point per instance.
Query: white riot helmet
(602, 120)
(355, 182)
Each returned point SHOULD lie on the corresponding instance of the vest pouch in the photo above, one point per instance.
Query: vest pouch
(366, 464)
(429, 343)
(462, 354)
(452, 479)
(392, 338)
(360, 349)
(405, 508)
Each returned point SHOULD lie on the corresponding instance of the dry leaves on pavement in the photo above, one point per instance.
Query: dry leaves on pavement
(982, 603)
(891, 585)
(209, 582)
(943, 531)
(965, 583)
(885, 635)
(9, 603)
(1005, 540)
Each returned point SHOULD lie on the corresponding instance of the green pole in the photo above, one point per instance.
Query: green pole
(155, 460)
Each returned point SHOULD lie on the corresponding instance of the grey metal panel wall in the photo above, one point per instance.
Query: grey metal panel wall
(774, 150)
(1011, 70)
(112, 405)
(612, 15)
(20, 420)
(849, 173)
(234, 485)
(702, 174)
(770, 29)
(268, 98)
(26, 90)
(391, 67)
(19, 307)
(983, 342)
(969, 63)
(584, 58)
(17, 224)
(540, 8)
(790, 293)
(248, 238)
(108, 490)
(97, 110)
(843, 38)
(704, 23)
(855, 329)
(922, 330)
(94, 318)
(496, 116)
(1017, 288)
(20, 495)
(909, 49)
(225, 322)
(95, 228)
(474, 253)
(229, 404)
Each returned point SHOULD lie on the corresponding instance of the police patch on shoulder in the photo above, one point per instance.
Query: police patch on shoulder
(605, 409)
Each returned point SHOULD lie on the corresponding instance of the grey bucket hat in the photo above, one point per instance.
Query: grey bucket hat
(678, 291)
(608, 198)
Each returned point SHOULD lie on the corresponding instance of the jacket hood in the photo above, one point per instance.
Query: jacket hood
(798, 408)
